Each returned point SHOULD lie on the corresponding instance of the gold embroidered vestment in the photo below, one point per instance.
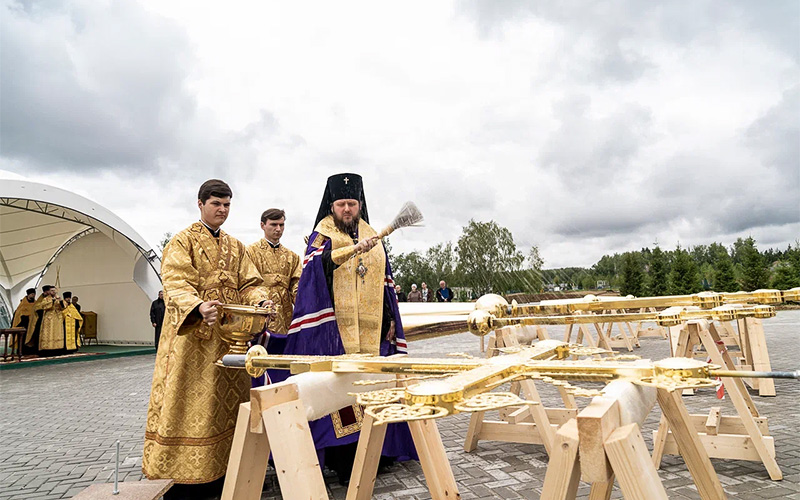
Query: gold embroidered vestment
(71, 338)
(357, 301)
(25, 309)
(280, 269)
(51, 330)
(193, 402)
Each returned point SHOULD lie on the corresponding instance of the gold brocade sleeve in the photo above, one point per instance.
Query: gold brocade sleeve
(295, 276)
(180, 280)
(251, 286)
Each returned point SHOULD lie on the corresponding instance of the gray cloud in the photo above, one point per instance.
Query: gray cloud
(583, 149)
(92, 86)
(775, 137)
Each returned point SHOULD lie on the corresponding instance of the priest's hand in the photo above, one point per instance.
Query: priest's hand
(208, 310)
(366, 244)
(390, 334)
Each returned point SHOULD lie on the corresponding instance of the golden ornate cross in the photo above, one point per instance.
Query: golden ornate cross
(465, 384)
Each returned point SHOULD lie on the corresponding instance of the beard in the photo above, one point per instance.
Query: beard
(349, 228)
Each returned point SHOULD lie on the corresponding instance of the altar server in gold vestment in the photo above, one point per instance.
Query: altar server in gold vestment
(279, 267)
(25, 315)
(49, 331)
(193, 402)
(72, 324)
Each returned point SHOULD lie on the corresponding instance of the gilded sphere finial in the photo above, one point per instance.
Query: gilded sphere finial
(479, 322)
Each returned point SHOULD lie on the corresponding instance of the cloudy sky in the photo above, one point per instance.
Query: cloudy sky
(584, 127)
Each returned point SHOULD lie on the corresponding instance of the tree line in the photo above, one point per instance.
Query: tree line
(485, 259)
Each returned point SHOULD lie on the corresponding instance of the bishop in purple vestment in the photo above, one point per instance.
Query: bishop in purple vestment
(346, 304)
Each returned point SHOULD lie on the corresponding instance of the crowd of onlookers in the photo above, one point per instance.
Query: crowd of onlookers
(425, 294)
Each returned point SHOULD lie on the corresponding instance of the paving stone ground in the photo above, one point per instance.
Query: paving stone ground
(59, 423)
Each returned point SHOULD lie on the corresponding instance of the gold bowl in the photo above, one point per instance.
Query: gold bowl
(238, 324)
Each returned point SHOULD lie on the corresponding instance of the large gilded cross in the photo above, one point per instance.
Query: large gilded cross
(447, 386)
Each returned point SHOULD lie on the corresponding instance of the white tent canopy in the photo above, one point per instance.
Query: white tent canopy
(49, 235)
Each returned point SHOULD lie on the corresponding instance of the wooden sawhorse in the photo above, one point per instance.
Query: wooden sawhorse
(275, 421)
(598, 448)
(743, 437)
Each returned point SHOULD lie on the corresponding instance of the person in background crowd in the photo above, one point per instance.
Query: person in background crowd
(444, 294)
(75, 303)
(401, 295)
(157, 309)
(414, 295)
(427, 294)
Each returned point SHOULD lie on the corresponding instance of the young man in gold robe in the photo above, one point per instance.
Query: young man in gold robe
(49, 331)
(72, 324)
(193, 402)
(25, 315)
(279, 267)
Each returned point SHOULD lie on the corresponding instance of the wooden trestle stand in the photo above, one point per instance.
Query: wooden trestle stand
(743, 437)
(275, 421)
(530, 424)
(598, 448)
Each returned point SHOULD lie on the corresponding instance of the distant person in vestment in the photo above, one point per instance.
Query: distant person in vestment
(346, 304)
(49, 332)
(193, 402)
(72, 324)
(157, 309)
(25, 316)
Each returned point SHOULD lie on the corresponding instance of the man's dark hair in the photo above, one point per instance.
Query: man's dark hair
(214, 187)
(46, 288)
(272, 214)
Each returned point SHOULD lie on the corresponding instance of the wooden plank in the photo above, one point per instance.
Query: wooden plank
(563, 470)
(637, 477)
(247, 464)
(758, 348)
(541, 333)
(558, 416)
(724, 359)
(595, 423)
(712, 422)
(539, 414)
(475, 431)
(368, 455)
(263, 397)
(690, 446)
(299, 473)
(659, 441)
(602, 491)
(433, 460)
(567, 397)
(128, 490)
(568, 333)
(525, 432)
(726, 446)
(728, 424)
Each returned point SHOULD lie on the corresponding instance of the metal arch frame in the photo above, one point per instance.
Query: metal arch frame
(52, 210)
(73, 239)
